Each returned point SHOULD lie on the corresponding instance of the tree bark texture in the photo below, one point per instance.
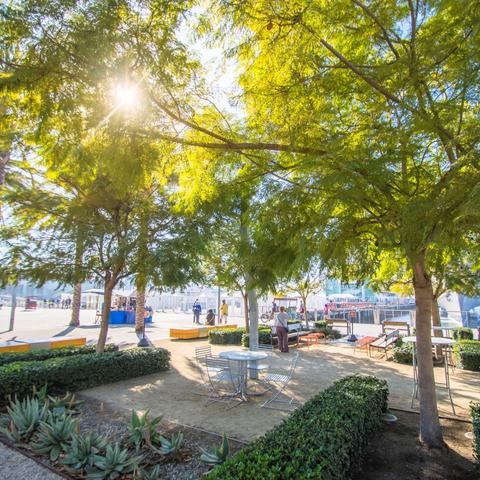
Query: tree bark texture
(430, 430)
(107, 302)
(140, 309)
(245, 312)
(76, 304)
(4, 159)
(253, 317)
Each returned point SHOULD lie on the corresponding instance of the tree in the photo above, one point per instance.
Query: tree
(390, 91)
(305, 283)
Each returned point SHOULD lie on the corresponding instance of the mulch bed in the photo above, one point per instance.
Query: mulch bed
(396, 454)
(102, 419)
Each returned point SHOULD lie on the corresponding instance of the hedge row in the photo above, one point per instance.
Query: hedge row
(226, 336)
(69, 374)
(462, 333)
(321, 440)
(45, 354)
(264, 338)
(475, 410)
(467, 354)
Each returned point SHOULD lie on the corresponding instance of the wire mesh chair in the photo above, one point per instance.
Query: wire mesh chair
(276, 380)
(201, 353)
(223, 383)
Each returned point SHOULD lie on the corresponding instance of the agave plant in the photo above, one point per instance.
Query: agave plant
(84, 451)
(143, 431)
(116, 463)
(153, 473)
(23, 419)
(54, 436)
(63, 405)
(172, 446)
(219, 454)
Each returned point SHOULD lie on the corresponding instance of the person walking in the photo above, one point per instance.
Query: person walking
(197, 310)
(281, 324)
(223, 313)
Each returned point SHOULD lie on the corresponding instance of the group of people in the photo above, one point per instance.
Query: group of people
(210, 318)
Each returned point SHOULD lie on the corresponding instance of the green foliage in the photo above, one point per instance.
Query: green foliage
(84, 451)
(115, 463)
(67, 374)
(219, 454)
(321, 327)
(38, 355)
(23, 419)
(264, 337)
(475, 412)
(323, 439)
(467, 354)
(403, 352)
(153, 473)
(54, 436)
(462, 333)
(170, 446)
(57, 406)
(226, 336)
(143, 430)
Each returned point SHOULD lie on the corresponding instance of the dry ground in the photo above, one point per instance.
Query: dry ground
(175, 393)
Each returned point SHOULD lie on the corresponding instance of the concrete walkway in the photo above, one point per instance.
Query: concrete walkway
(15, 466)
(175, 393)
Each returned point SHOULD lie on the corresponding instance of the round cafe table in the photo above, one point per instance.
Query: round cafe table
(445, 344)
(242, 357)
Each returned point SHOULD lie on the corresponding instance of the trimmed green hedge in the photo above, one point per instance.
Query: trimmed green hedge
(322, 327)
(321, 440)
(403, 352)
(69, 374)
(264, 337)
(45, 354)
(462, 333)
(226, 337)
(475, 411)
(467, 354)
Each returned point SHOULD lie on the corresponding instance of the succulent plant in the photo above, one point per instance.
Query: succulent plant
(57, 405)
(84, 451)
(153, 473)
(172, 446)
(54, 436)
(115, 463)
(219, 454)
(23, 419)
(143, 431)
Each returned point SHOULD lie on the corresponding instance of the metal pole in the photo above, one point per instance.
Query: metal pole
(12, 309)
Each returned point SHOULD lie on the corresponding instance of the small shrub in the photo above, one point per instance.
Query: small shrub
(84, 451)
(462, 333)
(475, 411)
(23, 419)
(226, 336)
(403, 352)
(219, 454)
(54, 436)
(69, 374)
(467, 354)
(323, 439)
(322, 327)
(264, 337)
(143, 430)
(45, 354)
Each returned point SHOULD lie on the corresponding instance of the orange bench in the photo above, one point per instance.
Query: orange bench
(364, 344)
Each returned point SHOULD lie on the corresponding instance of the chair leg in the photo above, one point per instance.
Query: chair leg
(275, 397)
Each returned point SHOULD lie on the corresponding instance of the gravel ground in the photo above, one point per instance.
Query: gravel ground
(15, 466)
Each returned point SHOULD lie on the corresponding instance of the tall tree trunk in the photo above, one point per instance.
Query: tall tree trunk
(107, 302)
(253, 317)
(245, 312)
(305, 313)
(76, 303)
(12, 310)
(430, 430)
(436, 322)
(140, 308)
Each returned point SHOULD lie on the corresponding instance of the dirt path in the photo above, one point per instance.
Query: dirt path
(175, 393)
